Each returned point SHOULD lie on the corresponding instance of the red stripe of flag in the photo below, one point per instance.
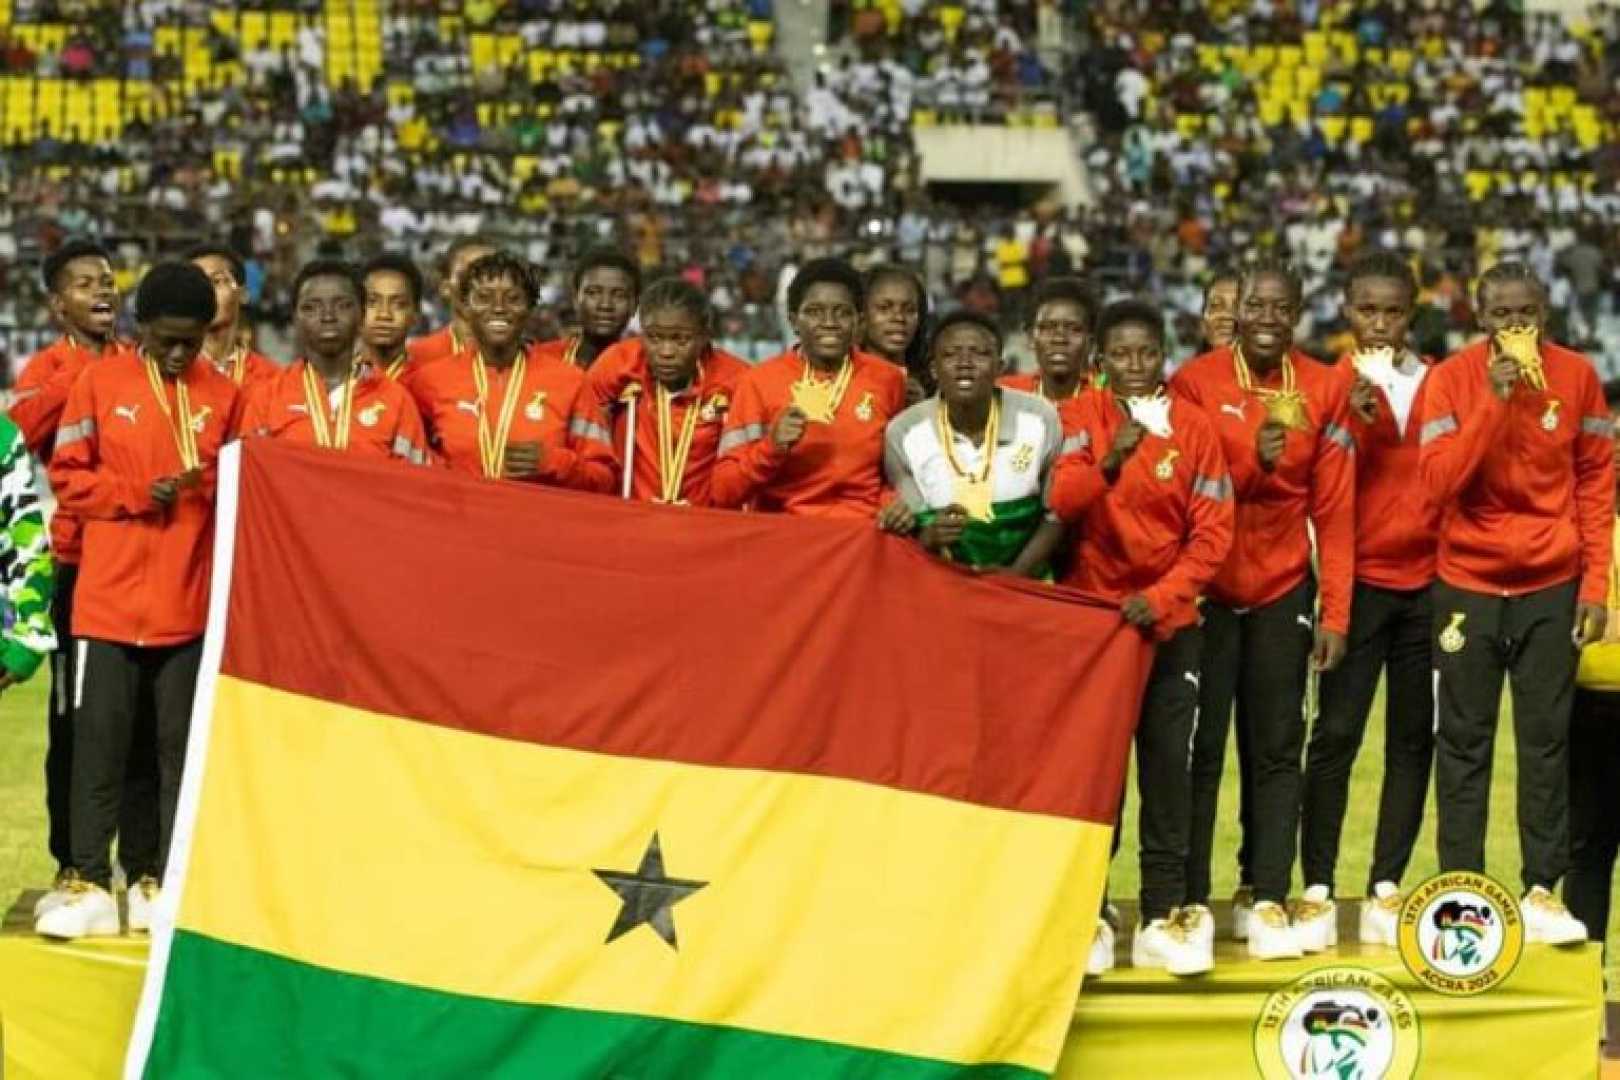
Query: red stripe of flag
(696, 636)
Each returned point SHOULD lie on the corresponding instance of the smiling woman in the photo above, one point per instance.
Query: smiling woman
(493, 411)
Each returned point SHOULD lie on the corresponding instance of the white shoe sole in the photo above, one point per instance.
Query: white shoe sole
(1319, 942)
(1566, 937)
(1201, 966)
(100, 928)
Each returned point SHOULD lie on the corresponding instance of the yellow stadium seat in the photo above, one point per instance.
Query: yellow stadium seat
(760, 34)
(1209, 58)
(1289, 56)
(1189, 125)
(1361, 128)
(1400, 60)
(950, 20)
(1333, 127)
(283, 29)
(1562, 99)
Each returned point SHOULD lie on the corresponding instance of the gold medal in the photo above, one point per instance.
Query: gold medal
(674, 450)
(1523, 344)
(1285, 406)
(971, 490)
(819, 398)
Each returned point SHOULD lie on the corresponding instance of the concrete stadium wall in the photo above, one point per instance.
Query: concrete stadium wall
(989, 154)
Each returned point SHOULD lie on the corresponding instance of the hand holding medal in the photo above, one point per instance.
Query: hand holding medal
(1152, 412)
(1522, 345)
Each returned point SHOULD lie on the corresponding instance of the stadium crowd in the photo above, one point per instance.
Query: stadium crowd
(1209, 130)
(1264, 517)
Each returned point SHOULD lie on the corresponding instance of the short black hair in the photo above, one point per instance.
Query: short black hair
(964, 317)
(1132, 311)
(501, 264)
(1382, 264)
(825, 272)
(608, 259)
(917, 352)
(220, 251)
(175, 289)
(1273, 266)
(337, 268)
(391, 262)
(682, 295)
(1504, 272)
(1065, 289)
(50, 271)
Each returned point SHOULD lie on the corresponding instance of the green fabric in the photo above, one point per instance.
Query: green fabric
(26, 572)
(230, 1010)
(999, 541)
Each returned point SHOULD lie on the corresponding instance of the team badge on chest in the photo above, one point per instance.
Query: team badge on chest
(863, 410)
(1549, 419)
(199, 419)
(371, 414)
(1023, 457)
(713, 409)
(1166, 468)
(536, 408)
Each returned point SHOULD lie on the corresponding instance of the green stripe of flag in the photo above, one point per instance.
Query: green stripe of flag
(229, 1010)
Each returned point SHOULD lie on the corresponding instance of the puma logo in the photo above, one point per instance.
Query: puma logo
(1235, 410)
(1192, 677)
(298, 407)
(128, 412)
(1303, 620)
(468, 407)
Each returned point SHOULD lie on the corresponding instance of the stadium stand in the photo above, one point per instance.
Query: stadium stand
(1208, 130)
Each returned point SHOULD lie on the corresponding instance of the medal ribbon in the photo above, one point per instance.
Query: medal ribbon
(947, 436)
(393, 370)
(1245, 380)
(185, 438)
(333, 435)
(492, 445)
(673, 452)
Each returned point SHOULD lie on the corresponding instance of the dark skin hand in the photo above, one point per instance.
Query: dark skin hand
(1590, 622)
(946, 529)
(1138, 612)
(1504, 374)
(897, 518)
(789, 428)
(166, 489)
(1364, 400)
(1126, 440)
(1329, 651)
(522, 461)
(1270, 442)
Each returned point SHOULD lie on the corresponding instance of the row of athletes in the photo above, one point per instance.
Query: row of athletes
(1462, 515)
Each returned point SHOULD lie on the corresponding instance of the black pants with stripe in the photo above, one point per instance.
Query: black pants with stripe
(1480, 639)
(1390, 631)
(1258, 660)
(133, 703)
(1164, 771)
(1594, 807)
(138, 822)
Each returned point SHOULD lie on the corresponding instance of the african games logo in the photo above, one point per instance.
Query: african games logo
(1338, 1023)
(1460, 933)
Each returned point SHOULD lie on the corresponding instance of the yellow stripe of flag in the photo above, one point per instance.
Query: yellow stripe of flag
(819, 915)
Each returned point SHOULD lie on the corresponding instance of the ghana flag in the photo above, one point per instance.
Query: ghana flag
(495, 781)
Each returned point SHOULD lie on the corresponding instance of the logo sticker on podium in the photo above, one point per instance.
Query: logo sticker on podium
(1343, 1022)
(1461, 933)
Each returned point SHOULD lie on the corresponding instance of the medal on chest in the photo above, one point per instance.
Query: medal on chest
(819, 398)
(1285, 406)
(971, 488)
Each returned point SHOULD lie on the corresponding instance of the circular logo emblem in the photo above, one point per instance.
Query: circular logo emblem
(1343, 1023)
(1461, 933)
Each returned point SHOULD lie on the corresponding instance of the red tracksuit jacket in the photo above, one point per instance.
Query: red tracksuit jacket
(1314, 481)
(1165, 526)
(1525, 486)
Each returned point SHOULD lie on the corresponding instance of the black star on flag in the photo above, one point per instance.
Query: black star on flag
(648, 895)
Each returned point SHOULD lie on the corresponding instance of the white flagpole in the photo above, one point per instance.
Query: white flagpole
(631, 393)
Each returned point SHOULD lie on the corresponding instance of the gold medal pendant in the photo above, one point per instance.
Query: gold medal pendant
(1285, 407)
(814, 399)
(973, 495)
(1523, 344)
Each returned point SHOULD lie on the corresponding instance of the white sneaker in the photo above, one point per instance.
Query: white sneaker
(1167, 944)
(58, 894)
(88, 911)
(1316, 920)
(1548, 921)
(1200, 924)
(143, 898)
(1380, 916)
(1100, 960)
(1270, 935)
(1242, 912)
